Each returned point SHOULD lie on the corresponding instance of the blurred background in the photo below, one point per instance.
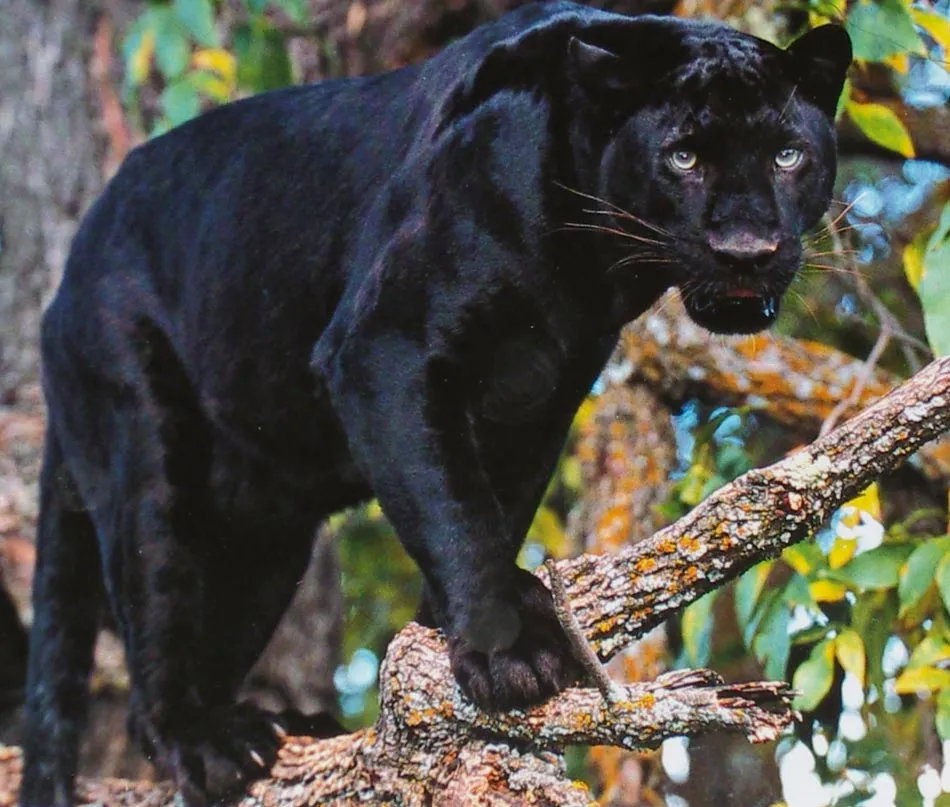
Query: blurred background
(857, 618)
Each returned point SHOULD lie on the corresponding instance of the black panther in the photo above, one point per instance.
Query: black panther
(399, 286)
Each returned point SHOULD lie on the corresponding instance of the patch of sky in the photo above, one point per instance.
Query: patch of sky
(730, 428)
(684, 423)
(847, 305)
(927, 84)
(674, 756)
(532, 556)
(353, 680)
(895, 656)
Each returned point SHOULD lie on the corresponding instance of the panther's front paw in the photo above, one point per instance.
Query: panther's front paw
(533, 661)
(216, 756)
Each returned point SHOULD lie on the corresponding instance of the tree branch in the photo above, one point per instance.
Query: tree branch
(429, 745)
(796, 382)
(755, 517)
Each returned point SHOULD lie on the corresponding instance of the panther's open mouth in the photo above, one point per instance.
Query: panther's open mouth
(740, 294)
(737, 311)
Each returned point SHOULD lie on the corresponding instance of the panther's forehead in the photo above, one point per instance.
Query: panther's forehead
(716, 51)
(730, 80)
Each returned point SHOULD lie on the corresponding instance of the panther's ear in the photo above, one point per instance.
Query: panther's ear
(595, 69)
(820, 60)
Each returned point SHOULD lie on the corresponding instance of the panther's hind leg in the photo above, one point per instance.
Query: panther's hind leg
(66, 602)
(163, 547)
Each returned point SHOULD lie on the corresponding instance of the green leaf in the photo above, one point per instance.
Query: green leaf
(692, 485)
(172, 49)
(804, 558)
(876, 569)
(849, 648)
(209, 84)
(138, 47)
(697, 625)
(935, 24)
(881, 125)
(814, 676)
(930, 651)
(934, 287)
(943, 714)
(295, 9)
(255, 6)
(197, 17)
(918, 574)
(761, 609)
(747, 591)
(797, 592)
(942, 578)
(921, 679)
(263, 62)
(180, 102)
(913, 258)
(772, 641)
(881, 29)
(872, 617)
(942, 230)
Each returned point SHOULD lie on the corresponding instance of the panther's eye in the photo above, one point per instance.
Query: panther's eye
(683, 160)
(787, 159)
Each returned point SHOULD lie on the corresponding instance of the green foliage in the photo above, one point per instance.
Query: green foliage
(262, 59)
(877, 569)
(183, 50)
(814, 677)
(886, 32)
(849, 604)
(934, 285)
(197, 17)
(697, 628)
(718, 458)
(881, 124)
(768, 636)
(918, 574)
(881, 29)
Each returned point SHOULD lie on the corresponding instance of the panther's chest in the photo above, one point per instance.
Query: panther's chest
(522, 376)
(534, 375)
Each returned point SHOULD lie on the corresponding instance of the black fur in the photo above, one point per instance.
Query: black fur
(399, 286)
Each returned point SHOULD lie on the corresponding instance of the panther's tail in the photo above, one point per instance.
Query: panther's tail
(66, 601)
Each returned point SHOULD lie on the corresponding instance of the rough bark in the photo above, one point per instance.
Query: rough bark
(50, 170)
(627, 452)
(432, 747)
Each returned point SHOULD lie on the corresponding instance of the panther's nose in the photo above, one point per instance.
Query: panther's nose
(742, 248)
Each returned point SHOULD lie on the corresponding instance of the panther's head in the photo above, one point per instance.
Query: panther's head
(716, 155)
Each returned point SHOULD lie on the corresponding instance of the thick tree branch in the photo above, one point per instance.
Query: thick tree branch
(755, 517)
(426, 720)
(429, 745)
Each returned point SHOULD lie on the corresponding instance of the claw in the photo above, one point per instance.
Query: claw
(279, 730)
(257, 758)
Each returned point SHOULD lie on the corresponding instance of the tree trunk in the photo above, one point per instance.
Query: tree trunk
(50, 157)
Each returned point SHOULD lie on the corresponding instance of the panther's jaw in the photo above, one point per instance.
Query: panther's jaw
(741, 312)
